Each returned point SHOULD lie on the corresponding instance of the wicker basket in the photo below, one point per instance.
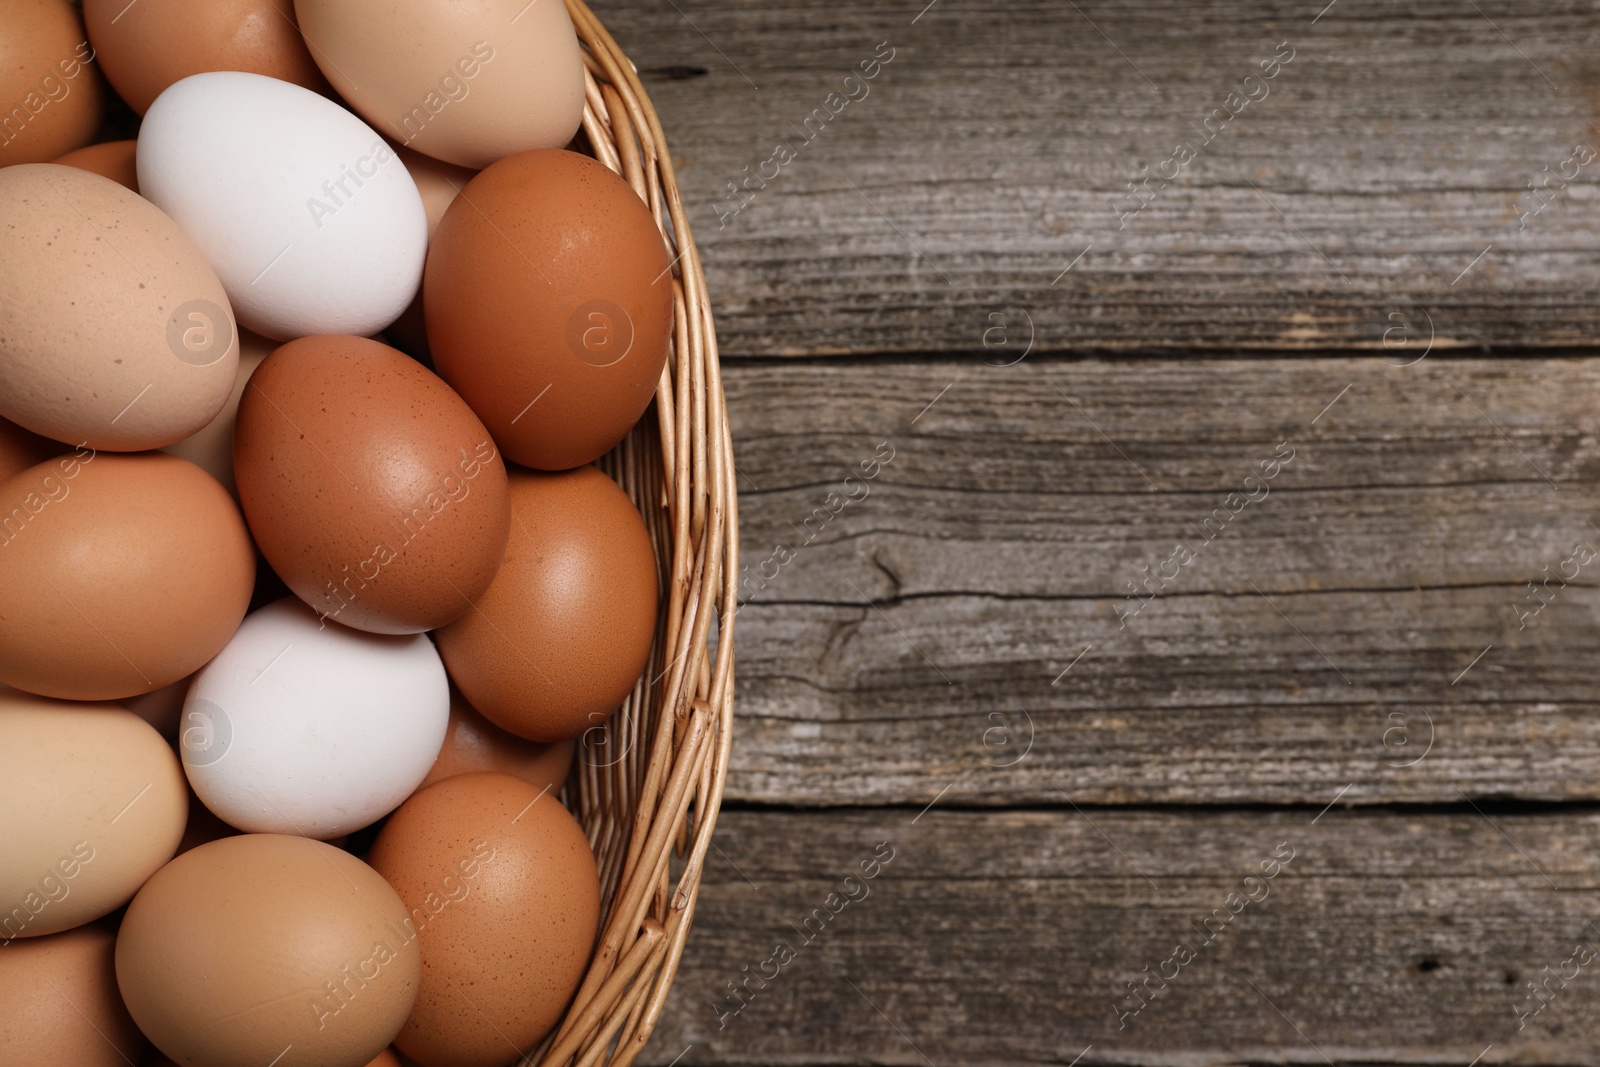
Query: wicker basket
(647, 786)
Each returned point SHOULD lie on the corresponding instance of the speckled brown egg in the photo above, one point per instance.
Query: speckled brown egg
(372, 489)
(118, 574)
(548, 299)
(580, 556)
(267, 949)
(50, 91)
(146, 46)
(109, 159)
(118, 334)
(61, 1003)
(504, 900)
(473, 743)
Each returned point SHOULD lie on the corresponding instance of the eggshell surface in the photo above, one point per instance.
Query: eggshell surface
(61, 1003)
(299, 726)
(49, 89)
(21, 449)
(473, 743)
(312, 223)
(145, 47)
(372, 489)
(267, 949)
(504, 899)
(211, 447)
(119, 574)
(467, 82)
(548, 301)
(125, 340)
(580, 551)
(110, 159)
(94, 802)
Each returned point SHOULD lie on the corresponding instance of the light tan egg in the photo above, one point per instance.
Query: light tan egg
(94, 801)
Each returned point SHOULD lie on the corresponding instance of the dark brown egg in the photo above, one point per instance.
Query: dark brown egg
(504, 900)
(145, 47)
(372, 489)
(119, 574)
(49, 88)
(564, 630)
(548, 299)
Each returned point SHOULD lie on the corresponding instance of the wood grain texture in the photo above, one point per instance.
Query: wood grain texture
(914, 631)
(1388, 154)
(1009, 937)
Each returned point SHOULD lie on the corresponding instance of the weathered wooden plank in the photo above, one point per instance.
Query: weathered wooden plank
(1000, 140)
(1010, 937)
(1370, 598)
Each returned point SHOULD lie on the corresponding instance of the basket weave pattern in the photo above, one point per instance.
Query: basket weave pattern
(647, 786)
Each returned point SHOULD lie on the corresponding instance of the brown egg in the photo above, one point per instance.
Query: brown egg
(211, 447)
(371, 488)
(267, 949)
(51, 99)
(21, 449)
(473, 743)
(579, 550)
(548, 298)
(61, 1003)
(145, 47)
(125, 340)
(118, 574)
(109, 159)
(386, 1058)
(93, 801)
(505, 902)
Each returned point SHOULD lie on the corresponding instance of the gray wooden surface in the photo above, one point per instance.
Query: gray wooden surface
(997, 144)
(954, 459)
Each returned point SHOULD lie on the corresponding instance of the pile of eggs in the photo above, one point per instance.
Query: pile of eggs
(307, 585)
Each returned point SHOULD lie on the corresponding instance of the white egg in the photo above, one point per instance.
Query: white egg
(301, 726)
(305, 213)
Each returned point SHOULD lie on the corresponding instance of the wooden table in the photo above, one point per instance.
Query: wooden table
(1168, 452)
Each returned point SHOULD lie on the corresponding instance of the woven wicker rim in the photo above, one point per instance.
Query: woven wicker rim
(647, 786)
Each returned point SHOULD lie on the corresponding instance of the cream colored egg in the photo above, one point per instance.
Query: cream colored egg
(118, 335)
(468, 82)
(211, 447)
(94, 802)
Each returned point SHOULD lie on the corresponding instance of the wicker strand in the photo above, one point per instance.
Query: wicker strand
(648, 786)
